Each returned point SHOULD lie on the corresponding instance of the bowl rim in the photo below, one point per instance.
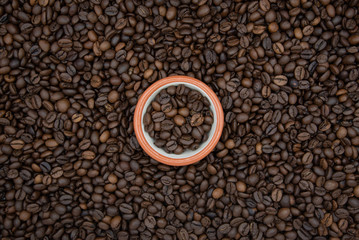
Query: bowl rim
(137, 121)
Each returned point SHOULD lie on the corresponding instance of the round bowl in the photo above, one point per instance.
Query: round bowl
(188, 156)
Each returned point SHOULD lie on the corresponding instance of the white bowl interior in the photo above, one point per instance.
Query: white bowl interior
(187, 153)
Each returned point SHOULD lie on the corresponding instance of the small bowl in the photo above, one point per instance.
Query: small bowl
(188, 156)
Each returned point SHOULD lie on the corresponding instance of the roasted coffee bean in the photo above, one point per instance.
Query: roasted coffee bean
(158, 117)
(166, 107)
(56, 172)
(280, 80)
(285, 72)
(126, 208)
(167, 125)
(17, 144)
(227, 102)
(299, 73)
(65, 199)
(47, 180)
(197, 120)
(164, 98)
(277, 195)
(182, 234)
(171, 145)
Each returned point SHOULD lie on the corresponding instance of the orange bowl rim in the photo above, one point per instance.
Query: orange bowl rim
(138, 121)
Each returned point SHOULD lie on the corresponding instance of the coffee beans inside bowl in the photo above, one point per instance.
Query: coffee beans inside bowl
(179, 118)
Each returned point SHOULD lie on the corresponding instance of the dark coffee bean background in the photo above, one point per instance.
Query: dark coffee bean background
(286, 166)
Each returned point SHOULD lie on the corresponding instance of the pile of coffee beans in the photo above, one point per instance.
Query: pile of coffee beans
(178, 118)
(286, 73)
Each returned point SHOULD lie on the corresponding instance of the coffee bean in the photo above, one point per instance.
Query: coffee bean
(179, 120)
(171, 145)
(277, 195)
(13, 173)
(47, 180)
(224, 228)
(129, 176)
(126, 208)
(33, 208)
(227, 102)
(217, 193)
(63, 105)
(182, 234)
(243, 229)
(196, 120)
(320, 45)
(45, 167)
(56, 172)
(324, 126)
(264, 5)
(17, 144)
(278, 48)
(330, 185)
(307, 158)
(166, 107)
(158, 117)
(167, 125)
(88, 155)
(85, 144)
(299, 73)
(166, 180)
(210, 55)
(303, 136)
(150, 222)
(65, 199)
(286, 76)
(77, 117)
(193, 96)
(203, 11)
(280, 80)
(244, 42)
(164, 98)
(198, 106)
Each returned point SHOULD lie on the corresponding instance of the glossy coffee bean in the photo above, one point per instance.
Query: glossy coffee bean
(285, 72)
